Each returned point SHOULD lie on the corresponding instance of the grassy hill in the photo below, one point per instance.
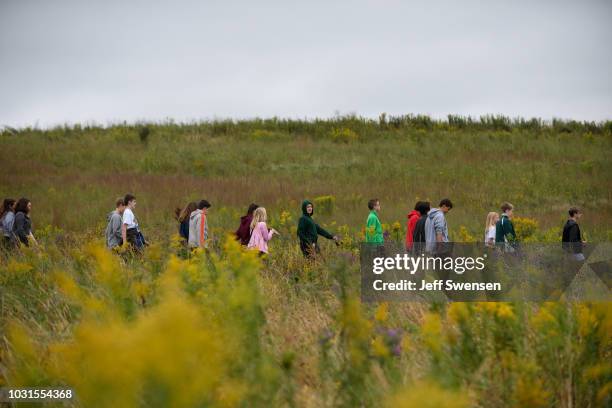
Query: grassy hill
(226, 329)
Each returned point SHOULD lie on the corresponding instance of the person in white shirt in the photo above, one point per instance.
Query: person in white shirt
(130, 231)
(492, 219)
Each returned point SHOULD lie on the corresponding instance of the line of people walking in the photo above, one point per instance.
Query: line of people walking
(426, 227)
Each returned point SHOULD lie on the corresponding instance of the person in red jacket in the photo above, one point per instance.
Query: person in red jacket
(243, 233)
(421, 208)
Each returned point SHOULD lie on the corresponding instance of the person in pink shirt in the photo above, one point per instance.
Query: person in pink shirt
(260, 234)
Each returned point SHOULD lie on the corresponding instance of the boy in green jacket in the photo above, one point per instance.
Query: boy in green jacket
(308, 231)
(373, 231)
(504, 228)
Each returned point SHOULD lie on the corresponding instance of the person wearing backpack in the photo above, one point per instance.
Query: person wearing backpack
(182, 216)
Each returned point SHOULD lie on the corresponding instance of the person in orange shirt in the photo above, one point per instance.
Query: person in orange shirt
(198, 226)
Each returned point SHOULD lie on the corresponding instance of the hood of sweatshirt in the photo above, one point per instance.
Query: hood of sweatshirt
(110, 214)
(434, 212)
(194, 214)
(414, 213)
(570, 222)
(304, 205)
(246, 219)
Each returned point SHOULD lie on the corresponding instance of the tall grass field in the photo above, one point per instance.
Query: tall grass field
(226, 328)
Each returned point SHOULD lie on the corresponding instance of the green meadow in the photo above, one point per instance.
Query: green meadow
(224, 328)
(74, 174)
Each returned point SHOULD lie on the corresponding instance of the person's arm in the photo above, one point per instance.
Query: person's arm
(439, 229)
(370, 229)
(9, 221)
(19, 228)
(511, 233)
(265, 232)
(116, 226)
(376, 227)
(323, 233)
(124, 233)
(203, 231)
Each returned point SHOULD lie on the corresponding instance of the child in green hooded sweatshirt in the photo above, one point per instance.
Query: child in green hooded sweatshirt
(373, 231)
(308, 231)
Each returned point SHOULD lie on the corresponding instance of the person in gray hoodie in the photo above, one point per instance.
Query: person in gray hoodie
(7, 219)
(436, 229)
(198, 226)
(113, 227)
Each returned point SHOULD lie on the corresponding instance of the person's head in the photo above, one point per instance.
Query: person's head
(119, 205)
(507, 209)
(129, 201)
(307, 208)
(7, 205)
(259, 215)
(492, 218)
(252, 208)
(423, 207)
(23, 205)
(445, 205)
(186, 212)
(204, 206)
(575, 213)
(374, 204)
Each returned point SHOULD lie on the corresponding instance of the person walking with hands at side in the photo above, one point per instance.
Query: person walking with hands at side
(572, 238)
(7, 220)
(436, 228)
(198, 226)
(373, 230)
(505, 237)
(22, 226)
(260, 234)
(490, 224)
(114, 225)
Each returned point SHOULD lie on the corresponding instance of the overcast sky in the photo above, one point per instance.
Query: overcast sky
(107, 61)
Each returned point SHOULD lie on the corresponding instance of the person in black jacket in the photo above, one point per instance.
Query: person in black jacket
(572, 239)
(22, 227)
(418, 236)
(308, 231)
